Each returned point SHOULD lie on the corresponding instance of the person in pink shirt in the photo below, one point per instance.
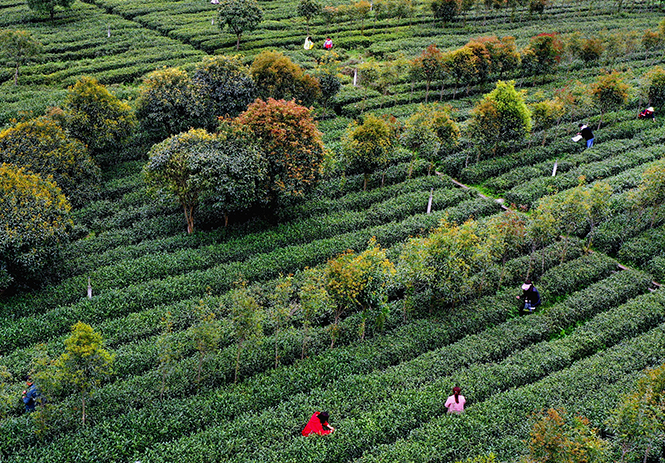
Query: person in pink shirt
(455, 403)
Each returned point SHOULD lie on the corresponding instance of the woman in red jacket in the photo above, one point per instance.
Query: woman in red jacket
(318, 424)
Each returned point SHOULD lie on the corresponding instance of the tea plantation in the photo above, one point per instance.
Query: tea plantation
(225, 340)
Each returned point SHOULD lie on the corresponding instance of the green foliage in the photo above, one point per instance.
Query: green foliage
(651, 190)
(246, 319)
(543, 53)
(445, 10)
(36, 224)
(49, 6)
(224, 87)
(358, 283)
(98, 118)
(239, 16)
(309, 9)
(43, 147)
(430, 132)
(609, 92)
(367, 145)
(84, 364)
(557, 437)
(638, 421)
(276, 76)
(429, 66)
(205, 335)
(18, 48)
(167, 104)
(655, 86)
(502, 116)
(227, 170)
(291, 143)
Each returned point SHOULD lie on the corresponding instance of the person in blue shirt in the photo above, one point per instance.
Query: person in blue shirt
(31, 396)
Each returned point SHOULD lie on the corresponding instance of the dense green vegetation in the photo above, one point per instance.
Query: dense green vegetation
(328, 258)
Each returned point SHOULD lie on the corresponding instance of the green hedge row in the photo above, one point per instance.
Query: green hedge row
(455, 327)
(411, 397)
(590, 387)
(164, 264)
(530, 192)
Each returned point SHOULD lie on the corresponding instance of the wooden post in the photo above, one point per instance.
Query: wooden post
(556, 163)
(89, 289)
(429, 203)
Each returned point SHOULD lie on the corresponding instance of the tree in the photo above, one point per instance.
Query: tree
(246, 319)
(239, 16)
(546, 114)
(205, 335)
(292, 144)
(651, 190)
(655, 87)
(167, 104)
(461, 65)
(639, 420)
(503, 55)
(308, 9)
(98, 118)
(314, 301)
(501, 117)
(557, 437)
(226, 170)
(358, 283)
(429, 132)
(445, 10)
(169, 352)
(282, 308)
(508, 234)
(360, 10)
(43, 147)
(276, 76)
(367, 145)
(18, 48)
(544, 51)
(609, 93)
(49, 6)
(591, 49)
(224, 87)
(430, 66)
(35, 225)
(437, 269)
(85, 363)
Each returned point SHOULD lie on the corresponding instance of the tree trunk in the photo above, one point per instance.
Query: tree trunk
(365, 183)
(235, 377)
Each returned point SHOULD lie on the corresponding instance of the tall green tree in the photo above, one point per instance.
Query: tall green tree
(98, 118)
(239, 16)
(610, 92)
(445, 10)
(292, 144)
(205, 335)
(655, 87)
(49, 6)
(226, 170)
(84, 364)
(543, 53)
(42, 146)
(276, 76)
(246, 318)
(309, 9)
(167, 104)
(314, 302)
(224, 87)
(430, 66)
(650, 193)
(500, 118)
(36, 222)
(546, 114)
(638, 421)
(557, 437)
(18, 48)
(368, 145)
(358, 283)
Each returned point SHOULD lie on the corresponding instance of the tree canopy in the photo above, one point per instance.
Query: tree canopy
(35, 224)
(98, 118)
(42, 146)
(239, 16)
(18, 48)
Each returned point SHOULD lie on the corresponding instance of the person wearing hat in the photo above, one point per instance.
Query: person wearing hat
(455, 403)
(318, 424)
(530, 296)
(31, 395)
(587, 134)
(648, 113)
